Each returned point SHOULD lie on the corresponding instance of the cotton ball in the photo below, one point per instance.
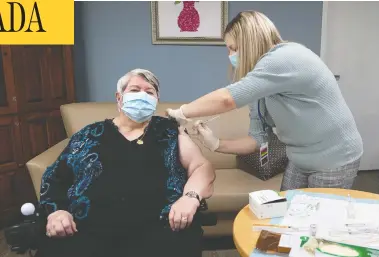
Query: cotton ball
(27, 209)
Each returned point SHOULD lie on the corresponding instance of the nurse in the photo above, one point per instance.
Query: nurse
(302, 99)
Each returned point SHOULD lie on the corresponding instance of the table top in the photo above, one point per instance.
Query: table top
(243, 235)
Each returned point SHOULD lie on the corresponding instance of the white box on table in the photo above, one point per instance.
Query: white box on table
(267, 204)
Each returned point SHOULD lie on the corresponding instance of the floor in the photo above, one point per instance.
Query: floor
(223, 247)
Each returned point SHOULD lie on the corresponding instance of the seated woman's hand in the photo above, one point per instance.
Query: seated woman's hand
(182, 212)
(60, 224)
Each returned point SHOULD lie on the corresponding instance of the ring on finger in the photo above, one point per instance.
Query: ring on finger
(184, 218)
(48, 233)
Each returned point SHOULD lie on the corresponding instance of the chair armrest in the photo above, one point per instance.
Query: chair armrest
(38, 164)
(207, 219)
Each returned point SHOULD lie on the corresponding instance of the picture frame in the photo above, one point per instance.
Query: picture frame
(188, 22)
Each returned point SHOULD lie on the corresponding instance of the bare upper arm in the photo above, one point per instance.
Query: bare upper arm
(190, 154)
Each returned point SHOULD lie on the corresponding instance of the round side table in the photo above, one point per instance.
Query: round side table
(243, 235)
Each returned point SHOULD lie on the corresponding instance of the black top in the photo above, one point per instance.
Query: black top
(132, 188)
(107, 181)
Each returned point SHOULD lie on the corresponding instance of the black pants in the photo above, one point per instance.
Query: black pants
(155, 241)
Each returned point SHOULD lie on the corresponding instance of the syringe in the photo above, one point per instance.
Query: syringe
(350, 208)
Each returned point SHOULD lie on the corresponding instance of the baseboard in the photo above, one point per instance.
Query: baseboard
(221, 253)
(218, 243)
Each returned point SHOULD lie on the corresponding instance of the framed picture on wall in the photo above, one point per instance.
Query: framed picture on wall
(189, 22)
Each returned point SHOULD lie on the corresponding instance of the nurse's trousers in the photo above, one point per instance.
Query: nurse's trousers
(342, 177)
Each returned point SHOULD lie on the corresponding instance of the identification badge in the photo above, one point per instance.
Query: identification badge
(263, 154)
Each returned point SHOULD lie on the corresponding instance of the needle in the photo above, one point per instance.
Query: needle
(204, 122)
(355, 225)
(211, 119)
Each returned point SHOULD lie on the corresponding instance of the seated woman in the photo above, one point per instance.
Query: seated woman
(128, 186)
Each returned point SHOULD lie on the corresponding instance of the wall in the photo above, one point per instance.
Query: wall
(112, 38)
(346, 25)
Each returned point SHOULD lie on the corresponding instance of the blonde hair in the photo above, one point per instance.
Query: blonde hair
(253, 35)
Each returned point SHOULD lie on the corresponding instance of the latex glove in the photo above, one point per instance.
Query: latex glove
(209, 140)
(178, 115)
(60, 224)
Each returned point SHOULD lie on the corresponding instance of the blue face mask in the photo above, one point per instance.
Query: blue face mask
(139, 107)
(233, 59)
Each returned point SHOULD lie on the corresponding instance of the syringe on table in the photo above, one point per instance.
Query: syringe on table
(311, 230)
(355, 229)
(367, 232)
(350, 208)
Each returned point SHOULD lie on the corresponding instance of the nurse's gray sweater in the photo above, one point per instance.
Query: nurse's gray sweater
(305, 103)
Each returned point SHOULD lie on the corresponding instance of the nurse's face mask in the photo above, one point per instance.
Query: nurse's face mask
(234, 59)
(233, 54)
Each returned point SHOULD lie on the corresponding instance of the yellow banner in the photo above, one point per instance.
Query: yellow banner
(41, 22)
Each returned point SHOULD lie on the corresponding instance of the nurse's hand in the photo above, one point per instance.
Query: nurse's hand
(209, 140)
(178, 115)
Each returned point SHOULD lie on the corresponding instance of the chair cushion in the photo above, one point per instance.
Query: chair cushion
(232, 187)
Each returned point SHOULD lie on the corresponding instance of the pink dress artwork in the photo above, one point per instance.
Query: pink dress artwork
(188, 19)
